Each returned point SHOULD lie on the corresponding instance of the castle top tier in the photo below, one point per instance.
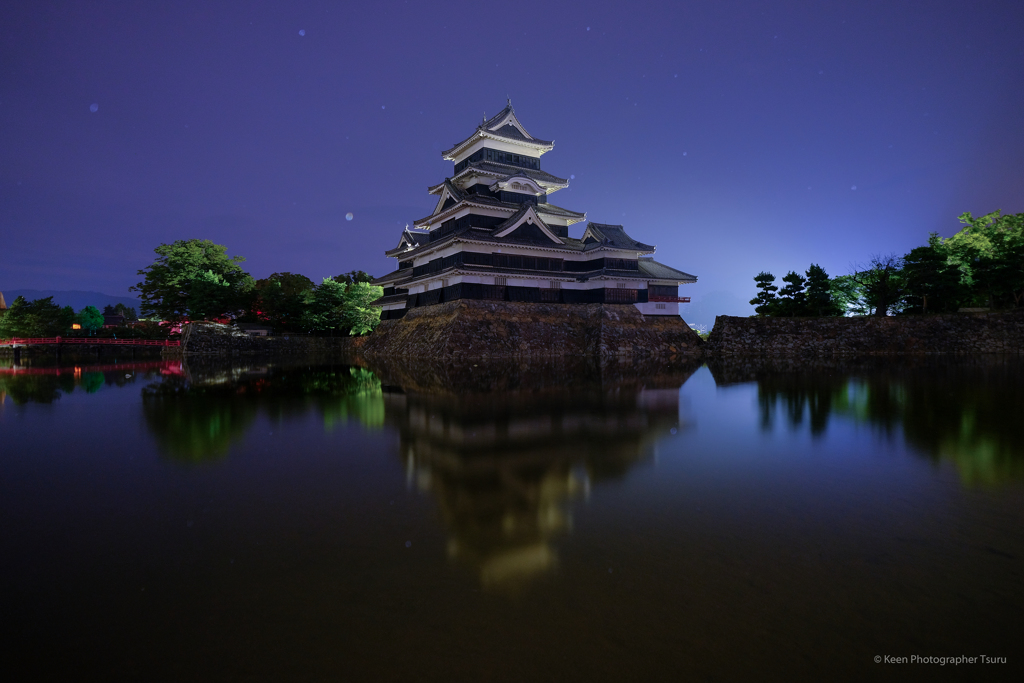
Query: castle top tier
(501, 133)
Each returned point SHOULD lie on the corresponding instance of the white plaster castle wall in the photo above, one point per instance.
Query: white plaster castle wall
(654, 308)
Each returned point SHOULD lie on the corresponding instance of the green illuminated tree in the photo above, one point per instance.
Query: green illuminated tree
(989, 252)
(344, 309)
(326, 312)
(90, 319)
(193, 279)
(848, 295)
(360, 317)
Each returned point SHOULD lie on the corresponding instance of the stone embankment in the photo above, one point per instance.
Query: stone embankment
(483, 329)
(213, 339)
(952, 333)
(503, 329)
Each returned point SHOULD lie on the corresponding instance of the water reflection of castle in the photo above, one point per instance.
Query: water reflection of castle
(503, 468)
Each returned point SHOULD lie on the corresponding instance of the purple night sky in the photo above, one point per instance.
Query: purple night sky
(737, 136)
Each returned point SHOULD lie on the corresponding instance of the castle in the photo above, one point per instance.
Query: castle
(494, 235)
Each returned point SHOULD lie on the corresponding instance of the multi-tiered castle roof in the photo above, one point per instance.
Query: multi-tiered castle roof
(494, 234)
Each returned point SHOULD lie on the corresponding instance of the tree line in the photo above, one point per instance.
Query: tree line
(196, 280)
(44, 318)
(981, 266)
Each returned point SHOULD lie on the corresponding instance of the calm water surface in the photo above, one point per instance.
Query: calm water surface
(743, 521)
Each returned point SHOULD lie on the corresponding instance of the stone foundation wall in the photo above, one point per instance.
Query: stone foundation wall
(504, 329)
(953, 333)
(213, 339)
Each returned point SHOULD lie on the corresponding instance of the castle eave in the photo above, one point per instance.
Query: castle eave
(539, 146)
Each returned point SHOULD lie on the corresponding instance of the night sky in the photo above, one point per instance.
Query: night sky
(736, 136)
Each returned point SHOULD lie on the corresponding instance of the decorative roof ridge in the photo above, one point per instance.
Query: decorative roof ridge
(482, 201)
(545, 145)
(453, 193)
(491, 203)
(493, 121)
(557, 208)
(526, 171)
(506, 117)
(511, 219)
(492, 128)
(456, 193)
(510, 176)
(516, 221)
(535, 174)
(570, 244)
(516, 176)
(537, 142)
(412, 238)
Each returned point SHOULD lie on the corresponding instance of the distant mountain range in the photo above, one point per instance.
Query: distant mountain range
(77, 299)
(703, 311)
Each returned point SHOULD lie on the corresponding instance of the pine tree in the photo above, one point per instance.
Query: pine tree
(819, 293)
(792, 300)
(765, 302)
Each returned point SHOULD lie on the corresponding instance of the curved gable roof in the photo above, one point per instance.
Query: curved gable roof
(527, 215)
(505, 126)
(660, 271)
(615, 236)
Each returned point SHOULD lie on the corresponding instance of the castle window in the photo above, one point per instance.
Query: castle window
(620, 295)
(554, 284)
(501, 281)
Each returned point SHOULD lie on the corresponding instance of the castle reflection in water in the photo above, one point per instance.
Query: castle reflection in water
(504, 467)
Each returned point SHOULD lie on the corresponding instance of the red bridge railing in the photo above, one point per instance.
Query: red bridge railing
(164, 367)
(22, 341)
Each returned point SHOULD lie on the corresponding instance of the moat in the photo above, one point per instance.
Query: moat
(647, 520)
